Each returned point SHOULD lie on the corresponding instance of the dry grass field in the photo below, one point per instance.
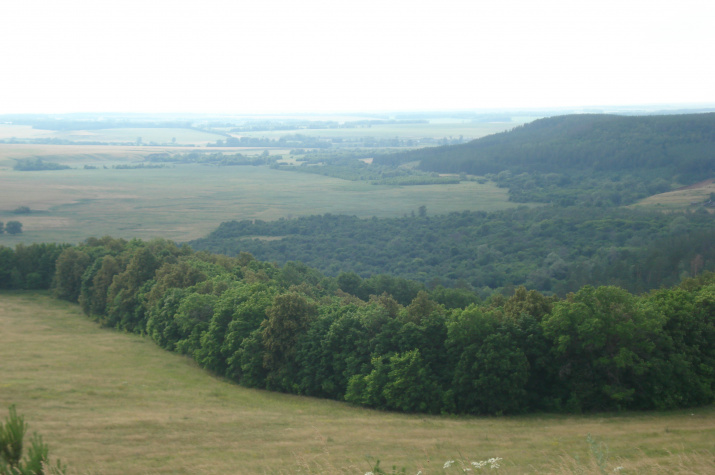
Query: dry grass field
(113, 403)
(188, 201)
(683, 198)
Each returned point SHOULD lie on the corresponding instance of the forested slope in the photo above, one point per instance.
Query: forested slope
(291, 329)
(558, 159)
(679, 143)
(549, 249)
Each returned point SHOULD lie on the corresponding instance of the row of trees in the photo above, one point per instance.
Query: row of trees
(292, 329)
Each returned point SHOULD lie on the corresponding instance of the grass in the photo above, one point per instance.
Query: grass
(678, 200)
(469, 130)
(113, 403)
(147, 134)
(189, 201)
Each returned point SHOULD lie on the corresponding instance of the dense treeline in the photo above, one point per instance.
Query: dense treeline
(566, 158)
(359, 171)
(291, 329)
(218, 159)
(548, 249)
(29, 267)
(295, 140)
(37, 164)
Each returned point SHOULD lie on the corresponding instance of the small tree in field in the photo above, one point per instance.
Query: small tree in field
(13, 227)
(35, 462)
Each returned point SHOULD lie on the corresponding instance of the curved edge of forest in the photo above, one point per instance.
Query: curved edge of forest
(294, 330)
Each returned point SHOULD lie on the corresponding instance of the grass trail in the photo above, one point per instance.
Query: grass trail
(113, 403)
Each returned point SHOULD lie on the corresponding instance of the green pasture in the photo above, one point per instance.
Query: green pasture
(109, 403)
(185, 202)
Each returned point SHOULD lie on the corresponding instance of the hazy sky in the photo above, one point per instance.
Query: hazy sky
(235, 56)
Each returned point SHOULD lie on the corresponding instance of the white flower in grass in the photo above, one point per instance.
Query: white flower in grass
(448, 463)
(618, 469)
(494, 462)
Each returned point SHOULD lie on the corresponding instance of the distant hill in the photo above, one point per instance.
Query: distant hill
(673, 144)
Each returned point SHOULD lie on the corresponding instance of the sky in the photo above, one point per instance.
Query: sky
(290, 56)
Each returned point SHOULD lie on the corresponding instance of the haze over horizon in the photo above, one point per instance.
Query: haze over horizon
(278, 56)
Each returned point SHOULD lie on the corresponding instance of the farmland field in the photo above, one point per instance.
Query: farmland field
(114, 403)
(188, 201)
(147, 134)
(469, 130)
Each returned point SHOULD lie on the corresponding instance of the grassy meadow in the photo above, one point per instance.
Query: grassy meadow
(114, 403)
(680, 199)
(185, 202)
(405, 131)
(147, 134)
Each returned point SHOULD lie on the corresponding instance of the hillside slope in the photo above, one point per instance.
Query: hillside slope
(674, 144)
(113, 403)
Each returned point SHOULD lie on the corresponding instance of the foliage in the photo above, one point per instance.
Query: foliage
(356, 170)
(566, 159)
(386, 343)
(549, 249)
(13, 227)
(37, 164)
(36, 460)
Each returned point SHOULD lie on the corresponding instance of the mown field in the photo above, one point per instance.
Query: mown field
(113, 403)
(188, 201)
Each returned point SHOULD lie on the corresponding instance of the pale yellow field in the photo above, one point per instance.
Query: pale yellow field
(112, 403)
(679, 199)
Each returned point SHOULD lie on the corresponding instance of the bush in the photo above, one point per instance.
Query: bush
(13, 227)
(35, 462)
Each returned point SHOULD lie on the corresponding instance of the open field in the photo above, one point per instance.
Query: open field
(676, 200)
(161, 135)
(188, 201)
(683, 198)
(147, 134)
(113, 403)
(405, 131)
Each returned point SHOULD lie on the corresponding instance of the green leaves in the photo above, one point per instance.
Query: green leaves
(604, 339)
(36, 460)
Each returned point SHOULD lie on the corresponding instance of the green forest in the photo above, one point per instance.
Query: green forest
(574, 174)
(587, 159)
(550, 249)
(294, 330)
(569, 302)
